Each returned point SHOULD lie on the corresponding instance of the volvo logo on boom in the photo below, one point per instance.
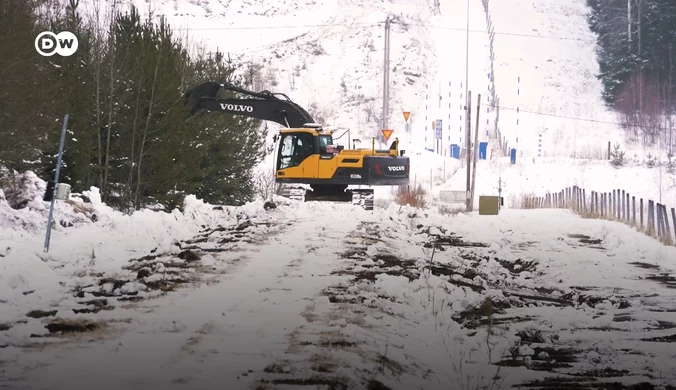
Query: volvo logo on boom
(396, 168)
(236, 107)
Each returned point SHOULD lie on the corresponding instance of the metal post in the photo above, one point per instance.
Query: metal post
(499, 193)
(386, 75)
(467, 61)
(469, 147)
(476, 151)
(56, 182)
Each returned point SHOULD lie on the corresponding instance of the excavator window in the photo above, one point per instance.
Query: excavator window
(294, 148)
(323, 141)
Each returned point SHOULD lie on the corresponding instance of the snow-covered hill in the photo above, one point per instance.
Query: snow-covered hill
(326, 56)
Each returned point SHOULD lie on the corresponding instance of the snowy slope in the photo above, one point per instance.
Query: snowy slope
(326, 294)
(326, 56)
(545, 65)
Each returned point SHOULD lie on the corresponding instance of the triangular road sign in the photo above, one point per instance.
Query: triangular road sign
(407, 114)
(387, 134)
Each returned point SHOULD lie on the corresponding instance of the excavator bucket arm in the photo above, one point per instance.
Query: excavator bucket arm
(263, 105)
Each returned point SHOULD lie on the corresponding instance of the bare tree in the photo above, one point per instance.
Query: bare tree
(145, 134)
(111, 97)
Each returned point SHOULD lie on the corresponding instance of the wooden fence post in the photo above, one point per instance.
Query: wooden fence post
(641, 209)
(583, 202)
(627, 216)
(663, 235)
(619, 204)
(576, 205)
(633, 210)
(597, 203)
(673, 219)
(613, 206)
(667, 228)
(568, 197)
(651, 218)
(576, 198)
(658, 217)
(623, 215)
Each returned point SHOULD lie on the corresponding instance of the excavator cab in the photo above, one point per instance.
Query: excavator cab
(295, 148)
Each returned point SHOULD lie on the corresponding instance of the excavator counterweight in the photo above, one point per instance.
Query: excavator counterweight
(305, 153)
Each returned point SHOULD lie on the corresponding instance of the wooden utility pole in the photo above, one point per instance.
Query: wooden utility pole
(476, 150)
(468, 136)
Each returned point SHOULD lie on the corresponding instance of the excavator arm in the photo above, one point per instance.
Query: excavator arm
(265, 105)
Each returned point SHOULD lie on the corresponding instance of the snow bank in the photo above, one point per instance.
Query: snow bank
(88, 239)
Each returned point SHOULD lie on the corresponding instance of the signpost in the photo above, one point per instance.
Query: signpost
(387, 134)
(407, 125)
(438, 135)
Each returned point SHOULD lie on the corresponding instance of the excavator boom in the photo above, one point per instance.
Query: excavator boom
(263, 105)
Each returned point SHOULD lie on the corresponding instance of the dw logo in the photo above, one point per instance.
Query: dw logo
(64, 43)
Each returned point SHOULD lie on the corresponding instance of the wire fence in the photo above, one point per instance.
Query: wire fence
(493, 99)
(646, 215)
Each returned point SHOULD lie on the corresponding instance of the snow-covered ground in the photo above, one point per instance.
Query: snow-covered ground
(317, 295)
(312, 294)
(551, 175)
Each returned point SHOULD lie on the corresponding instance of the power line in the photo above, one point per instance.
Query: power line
(569, 117)
(373, 24)
(563, 38)
(276, 27)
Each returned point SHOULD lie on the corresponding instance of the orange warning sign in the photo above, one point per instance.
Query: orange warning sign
(387, 134)
(407, 114)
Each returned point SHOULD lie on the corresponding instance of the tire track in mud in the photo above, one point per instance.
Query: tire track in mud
(225, 330)
(204, 259)
(342, 340)
(323, 352)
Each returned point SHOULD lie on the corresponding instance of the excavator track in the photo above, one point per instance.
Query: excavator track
(361, 197)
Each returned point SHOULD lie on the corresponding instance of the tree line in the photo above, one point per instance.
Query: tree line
(637, 58)
(123, 91)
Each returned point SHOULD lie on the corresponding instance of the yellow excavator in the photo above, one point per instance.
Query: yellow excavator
(305, 152)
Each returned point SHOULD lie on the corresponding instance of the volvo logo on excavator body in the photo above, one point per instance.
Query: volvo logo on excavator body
(396, 168)
(236, 107)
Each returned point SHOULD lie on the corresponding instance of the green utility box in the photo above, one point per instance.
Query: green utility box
(489, 205)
